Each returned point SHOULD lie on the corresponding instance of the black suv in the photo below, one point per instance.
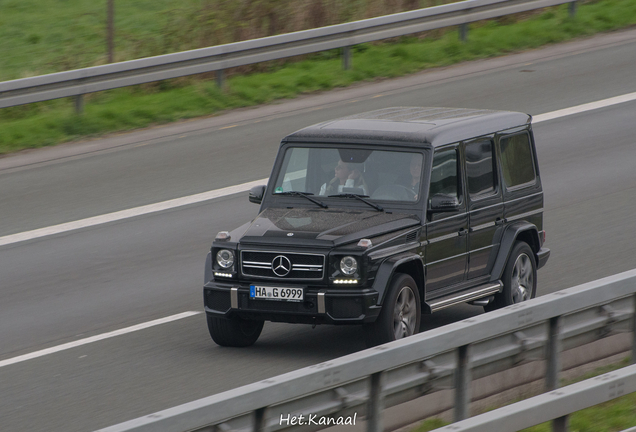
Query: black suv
(376, 218)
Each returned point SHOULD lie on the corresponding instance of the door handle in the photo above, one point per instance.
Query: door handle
(499, 221)
(463, 232)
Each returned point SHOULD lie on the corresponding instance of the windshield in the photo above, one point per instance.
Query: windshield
(378, 174)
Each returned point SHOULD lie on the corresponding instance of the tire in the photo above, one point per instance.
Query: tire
(400, 315)
(519, 278)
(234, 332)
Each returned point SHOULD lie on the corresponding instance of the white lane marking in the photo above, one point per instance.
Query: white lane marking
(96, 338)
(583, 108)
(124, 214)
(218, 193)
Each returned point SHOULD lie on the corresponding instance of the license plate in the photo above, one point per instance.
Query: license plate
(276, 293)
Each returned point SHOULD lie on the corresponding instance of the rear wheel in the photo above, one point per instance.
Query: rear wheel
(519, 278)
(234, 332)
(400, 315)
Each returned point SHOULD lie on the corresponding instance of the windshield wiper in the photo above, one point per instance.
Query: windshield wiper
(359, 198)
(304, 195)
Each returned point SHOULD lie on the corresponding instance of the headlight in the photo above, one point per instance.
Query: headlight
(348, 265)
(225, 258)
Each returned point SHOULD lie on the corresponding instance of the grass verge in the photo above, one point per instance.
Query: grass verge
(613, 416)
(52, 122)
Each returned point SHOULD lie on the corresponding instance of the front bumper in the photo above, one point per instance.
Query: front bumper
(320, 305)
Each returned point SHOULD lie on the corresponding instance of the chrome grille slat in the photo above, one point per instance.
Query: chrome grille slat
(258, 264)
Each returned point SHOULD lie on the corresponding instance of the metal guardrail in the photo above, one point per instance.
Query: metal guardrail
(558, 404)
(451, 356)
(217, 58)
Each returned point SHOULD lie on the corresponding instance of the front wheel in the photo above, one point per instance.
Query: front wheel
(234, 332)
(400, 315)
(519, 278)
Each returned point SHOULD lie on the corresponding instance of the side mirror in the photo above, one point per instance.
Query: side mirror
(256, 194)
(443, 203)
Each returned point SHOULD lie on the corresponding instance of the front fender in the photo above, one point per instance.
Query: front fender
(388, 268)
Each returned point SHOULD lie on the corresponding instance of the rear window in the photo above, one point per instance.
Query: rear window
(516, 160)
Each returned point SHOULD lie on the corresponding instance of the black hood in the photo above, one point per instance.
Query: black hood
(322, 227)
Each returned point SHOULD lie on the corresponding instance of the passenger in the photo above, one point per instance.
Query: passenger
(346, 176)
(412, 181)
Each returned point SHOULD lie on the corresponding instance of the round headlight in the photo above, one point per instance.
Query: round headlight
(225, 258)
(348, 265)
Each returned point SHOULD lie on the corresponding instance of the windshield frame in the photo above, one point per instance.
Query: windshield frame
(272, 199)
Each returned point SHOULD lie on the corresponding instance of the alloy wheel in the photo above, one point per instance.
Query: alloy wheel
(405, 314)
(522, 279)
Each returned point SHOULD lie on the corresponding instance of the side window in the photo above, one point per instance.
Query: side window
(516, 160)
(479, 169)
(444, 179)
(293, 174)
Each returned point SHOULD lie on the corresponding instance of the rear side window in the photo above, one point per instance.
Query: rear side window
(516, 160)
(479, 169)
(444, 174)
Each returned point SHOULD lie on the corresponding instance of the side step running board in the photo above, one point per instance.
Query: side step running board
(463, 297)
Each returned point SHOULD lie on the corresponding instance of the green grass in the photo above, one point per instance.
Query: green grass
(429, 425)
(52, 122)
(44, 36)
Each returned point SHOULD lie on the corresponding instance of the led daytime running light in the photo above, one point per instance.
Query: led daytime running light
(345, 281)
(223, 274)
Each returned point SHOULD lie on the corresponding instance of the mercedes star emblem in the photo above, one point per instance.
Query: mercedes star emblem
(281, 265)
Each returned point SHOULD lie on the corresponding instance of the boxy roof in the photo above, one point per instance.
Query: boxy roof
(415, 125)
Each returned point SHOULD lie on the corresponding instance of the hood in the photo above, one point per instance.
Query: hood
(322, 227)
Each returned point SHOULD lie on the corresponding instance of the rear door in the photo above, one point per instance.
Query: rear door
(446, 233)
(485, 205)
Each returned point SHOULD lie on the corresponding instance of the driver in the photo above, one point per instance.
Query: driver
(346, 176)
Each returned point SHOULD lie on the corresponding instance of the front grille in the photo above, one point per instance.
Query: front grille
(274, 265)
(411, 237)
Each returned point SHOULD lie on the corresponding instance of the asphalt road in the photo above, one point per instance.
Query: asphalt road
(66, 287)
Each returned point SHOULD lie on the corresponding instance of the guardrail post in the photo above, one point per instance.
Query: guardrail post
(219, 78)
(463, 378)
(634, 332)
(259, 420)
(375, 404)
(572, 9)
(561, 424)
(110, 30)
(79, 104)
(463, 32)
(553, 355)
(553, 367)
(346, 58)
